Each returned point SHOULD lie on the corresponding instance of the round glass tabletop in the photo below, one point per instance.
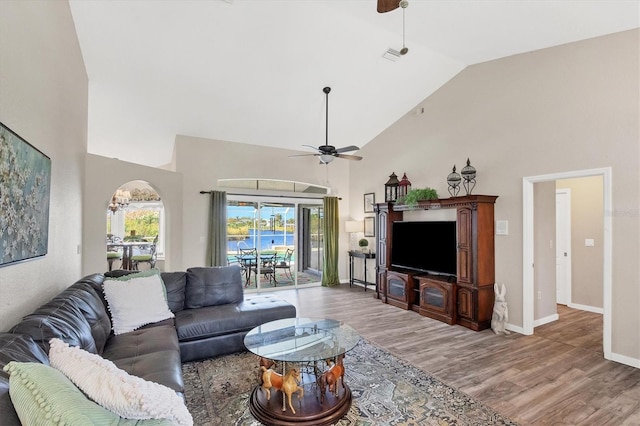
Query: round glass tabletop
(301, 339)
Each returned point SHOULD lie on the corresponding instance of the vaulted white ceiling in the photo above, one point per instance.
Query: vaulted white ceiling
(252, 71)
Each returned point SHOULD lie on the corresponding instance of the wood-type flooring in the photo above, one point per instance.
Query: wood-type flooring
(558, 376)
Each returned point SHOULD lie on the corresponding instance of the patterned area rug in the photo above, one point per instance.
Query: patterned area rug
(386, 391)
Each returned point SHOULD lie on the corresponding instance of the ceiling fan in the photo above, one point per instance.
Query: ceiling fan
(328, 152)
(387, 5)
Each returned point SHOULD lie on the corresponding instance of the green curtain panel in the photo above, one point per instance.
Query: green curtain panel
(217, 241)
(330, 230)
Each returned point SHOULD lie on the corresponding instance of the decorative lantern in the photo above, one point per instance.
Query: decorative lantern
(468, 173)
(453, 180)
(404, 186)
(391, 188)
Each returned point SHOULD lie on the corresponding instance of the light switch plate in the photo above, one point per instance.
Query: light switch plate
(589, 242)
(502, 227)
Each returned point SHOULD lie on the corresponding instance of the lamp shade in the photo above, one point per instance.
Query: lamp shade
(352, 226)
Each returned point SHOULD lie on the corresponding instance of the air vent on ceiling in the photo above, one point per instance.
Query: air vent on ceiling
(392, 55)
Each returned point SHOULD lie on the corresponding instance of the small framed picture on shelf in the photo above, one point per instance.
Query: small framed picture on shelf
(369, 201)
(369, 227)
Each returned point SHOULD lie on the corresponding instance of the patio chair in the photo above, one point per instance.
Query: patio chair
(113, 256)
(247, 258)
(146, 255)
(285, 263)
(114, 252)
(267, 269)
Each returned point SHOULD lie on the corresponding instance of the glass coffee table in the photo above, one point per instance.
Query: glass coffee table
(309, 351)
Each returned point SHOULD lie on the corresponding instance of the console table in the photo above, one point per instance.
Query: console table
(361, 255)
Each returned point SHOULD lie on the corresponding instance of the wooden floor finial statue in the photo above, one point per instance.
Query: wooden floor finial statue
(288, 384)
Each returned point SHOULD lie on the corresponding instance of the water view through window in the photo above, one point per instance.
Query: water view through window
(264, 239)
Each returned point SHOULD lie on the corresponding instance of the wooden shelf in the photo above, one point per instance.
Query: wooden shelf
(446, 203)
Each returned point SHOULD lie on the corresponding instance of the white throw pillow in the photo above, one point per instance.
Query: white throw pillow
(136, 302)
(116, 390)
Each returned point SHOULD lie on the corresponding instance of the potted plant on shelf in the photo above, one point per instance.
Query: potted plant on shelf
(418, 194)
(363, 243)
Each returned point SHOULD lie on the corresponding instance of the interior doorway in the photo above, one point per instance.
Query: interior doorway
(529, 241)
(135, 214)
(563, 246)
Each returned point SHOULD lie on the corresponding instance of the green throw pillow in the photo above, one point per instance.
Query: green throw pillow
(43, 395)
(140, 274)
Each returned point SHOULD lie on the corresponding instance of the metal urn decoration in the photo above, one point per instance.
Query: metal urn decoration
(453, 180)
(468, 173)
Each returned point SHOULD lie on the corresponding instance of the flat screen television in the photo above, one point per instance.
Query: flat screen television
(427, 247)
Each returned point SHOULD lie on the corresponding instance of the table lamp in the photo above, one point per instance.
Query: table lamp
(353, 227)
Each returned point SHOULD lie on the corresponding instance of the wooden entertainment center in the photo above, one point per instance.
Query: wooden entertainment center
(466, 299)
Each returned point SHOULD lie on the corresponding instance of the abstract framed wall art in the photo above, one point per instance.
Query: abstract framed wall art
(25, 186)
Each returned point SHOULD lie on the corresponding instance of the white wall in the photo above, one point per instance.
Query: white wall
(571, 107)
(104, 176)
(43, 98)
(203, 161)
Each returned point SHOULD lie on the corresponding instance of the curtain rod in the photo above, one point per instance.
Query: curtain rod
(264, 195)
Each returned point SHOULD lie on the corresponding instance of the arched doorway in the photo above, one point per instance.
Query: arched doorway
(135, 214)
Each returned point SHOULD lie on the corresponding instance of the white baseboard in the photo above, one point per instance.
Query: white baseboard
(546, 320)
(515, 328)
(623, 359)
(586, 308)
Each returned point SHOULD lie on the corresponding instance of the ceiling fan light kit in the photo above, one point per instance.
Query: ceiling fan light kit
(326, 158)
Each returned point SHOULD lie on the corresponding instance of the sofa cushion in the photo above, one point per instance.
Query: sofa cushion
(136, 301)
(127, 395)
(142, 341)
(151, 353)
(90, 304)
(175, 283)
(19, 347)
(213, 286)
(195, 324)
(43, 395)
(162, 367)
(59, 318)
(15, 347)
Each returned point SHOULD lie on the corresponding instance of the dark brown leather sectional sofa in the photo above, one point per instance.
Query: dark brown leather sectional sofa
(212, 316)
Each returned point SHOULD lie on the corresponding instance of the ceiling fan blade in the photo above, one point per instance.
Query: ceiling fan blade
(347, 149)
(304, 155)
(349, 157)
(387, 5)
(315, 148)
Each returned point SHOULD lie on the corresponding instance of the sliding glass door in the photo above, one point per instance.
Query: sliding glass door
(311, 239)
(263, 238)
